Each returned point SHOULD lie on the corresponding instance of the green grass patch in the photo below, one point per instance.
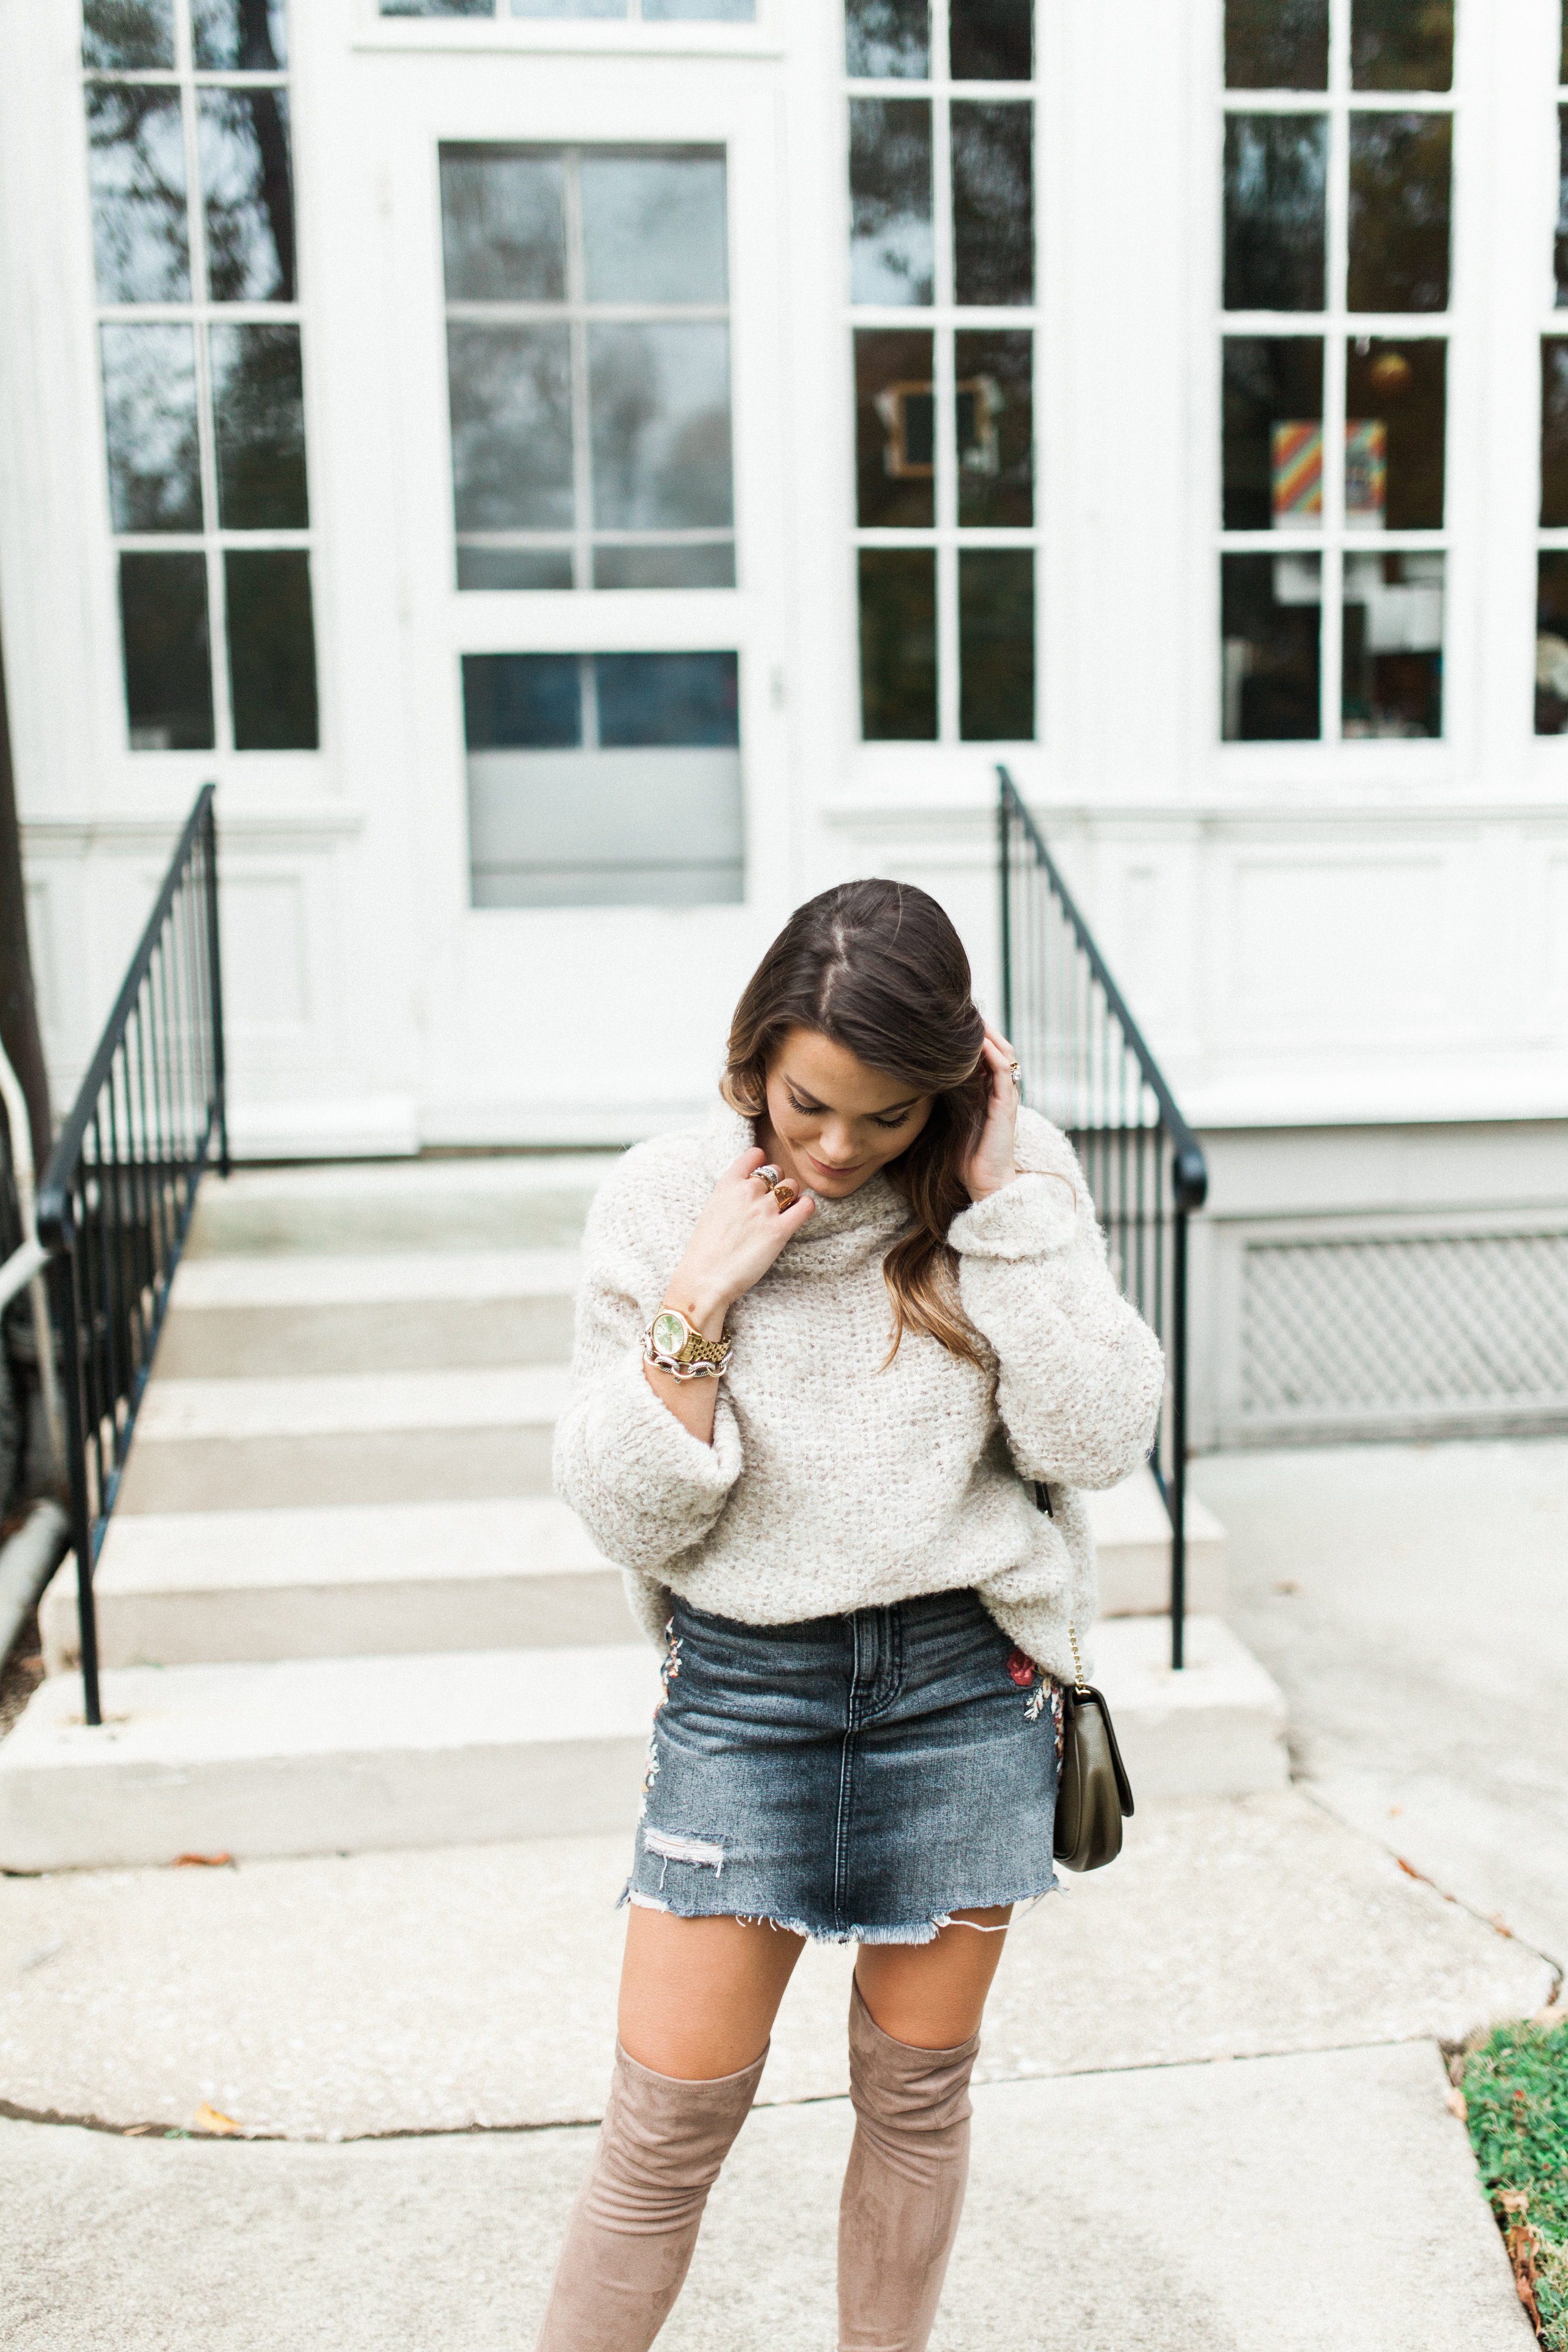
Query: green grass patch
(1516, 2100)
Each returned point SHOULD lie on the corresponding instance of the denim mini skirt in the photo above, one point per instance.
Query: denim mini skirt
(855, 1779)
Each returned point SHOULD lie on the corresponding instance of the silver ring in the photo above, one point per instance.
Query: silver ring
(768, 1174)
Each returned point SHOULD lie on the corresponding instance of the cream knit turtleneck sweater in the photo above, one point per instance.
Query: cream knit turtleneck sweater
(833, 1482)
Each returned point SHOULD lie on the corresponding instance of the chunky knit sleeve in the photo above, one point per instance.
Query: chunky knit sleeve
(1080, 1373)
(646, 1489)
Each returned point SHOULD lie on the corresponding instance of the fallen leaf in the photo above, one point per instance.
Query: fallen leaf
(1458, 2105)
(208, 2119)
(1407, 1867)
(1394, 1812)
(203, 1860)
(1286, 1585)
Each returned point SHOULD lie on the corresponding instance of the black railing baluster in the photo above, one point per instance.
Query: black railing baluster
(115, 1201)
(1087, 1066)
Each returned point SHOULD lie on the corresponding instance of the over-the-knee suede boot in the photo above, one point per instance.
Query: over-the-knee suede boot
(630, 2238)
(903, 2189)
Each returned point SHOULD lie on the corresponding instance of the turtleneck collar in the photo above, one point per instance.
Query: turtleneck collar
(841, 1231)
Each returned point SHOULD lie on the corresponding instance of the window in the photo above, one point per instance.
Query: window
(1552, 562)
(1337, 191)
(942, 285)
(200, 348)
(647, 12)
(604, 780)
(587, 357)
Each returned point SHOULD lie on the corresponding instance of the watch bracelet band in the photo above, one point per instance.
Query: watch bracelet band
(701, 1368)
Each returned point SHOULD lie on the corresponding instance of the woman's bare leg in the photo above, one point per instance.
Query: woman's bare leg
(932, 1995)
(698, 1997)
(914, 2017)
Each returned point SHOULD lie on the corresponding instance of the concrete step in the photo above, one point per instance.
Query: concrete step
(477, 1202)
(334, 1755)
(271, 1318)
(336, 1580)
(191, 1588)
(347, 1437)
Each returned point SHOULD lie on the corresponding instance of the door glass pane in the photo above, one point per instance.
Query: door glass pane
(242, 138)
(1273, 433)
(249, 35)
(522, 701)
(994, 417)
(1269, 612)
(513, 567)
(569, 7)
(891, 245)
(1559, 247)
(438, 8)
(503, 225)
(1275, 178)
(653, 229)
(895, 423)
(1392, 645)
(1552, 642)
(991, 40)
(150, 418)
(898, 644)
(1394, 399)
(888, 40)
(163, 629)
(1402, 44)
(121, 35)
(1399, 212)
(272, 649)
(510, 391)
(993, 203)
(658, 415)
(258, 417)
(1554, 432)
(721, 11)
(137, 163)
(1276, 44)
(668, 698)
(652, 566)
(996, 645)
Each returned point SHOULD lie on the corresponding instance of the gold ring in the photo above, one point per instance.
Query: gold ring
(786, 1192)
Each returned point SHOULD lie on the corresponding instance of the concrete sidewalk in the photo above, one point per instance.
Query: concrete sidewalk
(1412, 1603)
(1279, 2206)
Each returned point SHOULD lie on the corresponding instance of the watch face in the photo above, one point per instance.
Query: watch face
(669, 1334)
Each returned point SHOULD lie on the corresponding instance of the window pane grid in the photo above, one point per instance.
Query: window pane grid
(1369, 450)
(189, 649)
(930, 422)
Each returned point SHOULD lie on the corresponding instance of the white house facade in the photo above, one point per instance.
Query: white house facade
(582, 475)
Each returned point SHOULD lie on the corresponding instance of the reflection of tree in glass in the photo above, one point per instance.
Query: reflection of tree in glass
(993, 204)
(149, 417)
(117, 34)
(258, 411)
(511, 427)
(660, 401)
(1399, 173)
(1276, 44)
(247, 34)
(887, 40)
(990, 40)
(890, 199)
(1553, 431)
(137, 156)
(1402, 45)
(242, 136)
(1275, 175)
(503, 225)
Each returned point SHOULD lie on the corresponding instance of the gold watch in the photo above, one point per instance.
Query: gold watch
(678, 1348)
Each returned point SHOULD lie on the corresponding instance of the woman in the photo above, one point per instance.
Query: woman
(822, 1345)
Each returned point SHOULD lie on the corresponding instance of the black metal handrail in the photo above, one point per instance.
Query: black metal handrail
(117, 1195)
(1086, 1066)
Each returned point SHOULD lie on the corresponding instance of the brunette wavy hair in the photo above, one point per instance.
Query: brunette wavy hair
(879, 968)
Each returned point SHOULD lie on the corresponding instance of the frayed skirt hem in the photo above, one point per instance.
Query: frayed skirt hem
(909, 1931)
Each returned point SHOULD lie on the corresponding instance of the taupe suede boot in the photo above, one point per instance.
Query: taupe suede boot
(630, 2238)
(903, 2189)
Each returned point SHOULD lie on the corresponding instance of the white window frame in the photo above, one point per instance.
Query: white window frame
(944, 317)
(201, 313)
(1334, 326)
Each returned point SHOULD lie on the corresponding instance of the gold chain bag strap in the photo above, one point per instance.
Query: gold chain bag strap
(1093, 1794)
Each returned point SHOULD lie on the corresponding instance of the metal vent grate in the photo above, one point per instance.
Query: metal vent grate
(1439, 1329)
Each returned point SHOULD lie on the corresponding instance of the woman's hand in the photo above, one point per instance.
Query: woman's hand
(991, 1164)
(739, 1233)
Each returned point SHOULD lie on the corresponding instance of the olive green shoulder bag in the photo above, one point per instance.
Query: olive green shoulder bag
(1093, 1794)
